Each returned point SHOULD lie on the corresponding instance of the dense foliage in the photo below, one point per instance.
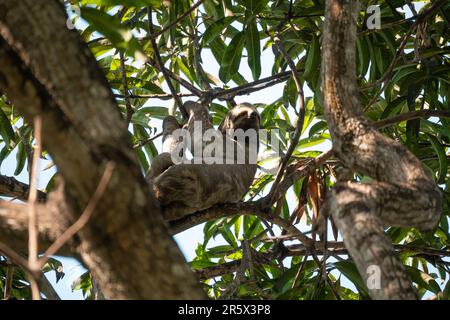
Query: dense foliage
(402, 67)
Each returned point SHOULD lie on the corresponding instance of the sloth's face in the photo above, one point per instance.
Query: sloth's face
(244, 116)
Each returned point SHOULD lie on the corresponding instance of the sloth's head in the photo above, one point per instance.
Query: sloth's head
(244, 116)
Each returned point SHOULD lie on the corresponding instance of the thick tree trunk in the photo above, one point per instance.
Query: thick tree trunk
(46, 70)
(403, 195)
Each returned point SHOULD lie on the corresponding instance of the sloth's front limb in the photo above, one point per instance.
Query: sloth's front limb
(164, 160)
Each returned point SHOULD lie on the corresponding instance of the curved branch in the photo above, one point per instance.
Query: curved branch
(402, 195)
(256, 208)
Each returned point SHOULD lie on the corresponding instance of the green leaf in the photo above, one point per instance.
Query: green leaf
(200, 264)
(252, 226)
(142, 159)
(394, 107)
(125, 3)
(83, 282)
(140, 118)
(210, 230)
(253, 47)
(317, 127)
(4, 153)
(232, 58)
(111, 28)
(363, 56)
(216, 28)
(440, 151)
(422, 279)
(446, 291)
(155, 112)
(21, 158)
(228, 235)
(349, 270)
(51, 183)
(220, 250)
(237, 226)
(104, 23)
(435, 127)
(6, 129)
(312, 59)
(254, 6)
(402, 72)
(218, 48)
(55, 265)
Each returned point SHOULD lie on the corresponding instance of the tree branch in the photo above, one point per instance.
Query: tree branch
(387, 75)
(411, 115)
(52, 223)
(126, 95)
(84, 130)
(84, 217)
(299, 250)
(300, 119)
(251, 86)
(10, 187)
(402, 193)
(177, 20)
(161, 96)
(160, 64)
(256, 208)
(218, 93)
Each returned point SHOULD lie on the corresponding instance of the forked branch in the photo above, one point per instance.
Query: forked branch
(402, 194)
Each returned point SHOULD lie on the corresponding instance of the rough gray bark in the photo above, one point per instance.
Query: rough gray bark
(402, 195)
(47, 70)
(14, 227)
(10, 187)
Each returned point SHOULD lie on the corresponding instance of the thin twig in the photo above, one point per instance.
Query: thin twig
(177, 20)
(126, 92)
(299, 272)
(385, 26)
(387, 75)
(32, 201)
(144, 142)
(217, 93)
(16, 258)
(123, 70)
(252, 86)
(161, 96)
(162, 68)
(411, 7)
(84, 218)
(283, 18)
(176, 78)
(299, 250)
(411, 115)
(8, 281)
(300, 119)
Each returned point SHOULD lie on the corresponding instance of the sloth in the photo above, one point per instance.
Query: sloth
(185, 188)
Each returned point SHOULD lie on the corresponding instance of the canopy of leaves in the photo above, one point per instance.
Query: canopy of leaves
(252, 261)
